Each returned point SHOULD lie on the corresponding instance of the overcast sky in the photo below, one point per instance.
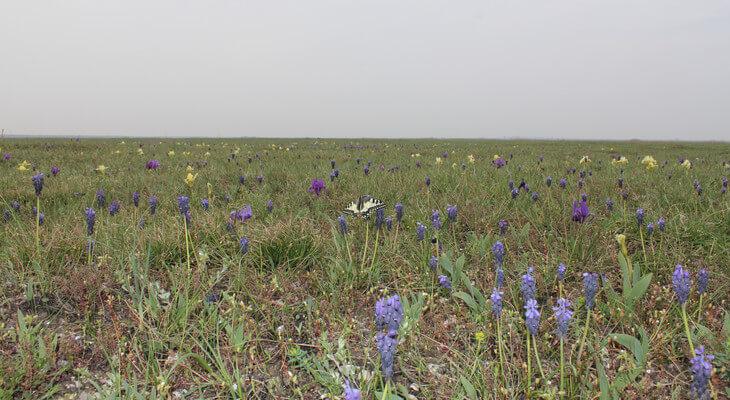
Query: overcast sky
(615, 69)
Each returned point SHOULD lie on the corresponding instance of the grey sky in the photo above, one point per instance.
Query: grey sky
(615, 69)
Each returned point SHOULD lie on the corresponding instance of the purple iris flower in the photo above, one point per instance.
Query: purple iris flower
(317, 186)
(152, 165)
(351, 393)
(7, 157)
(499, 162)
(580, 211)
(55, 170)
(563, 182)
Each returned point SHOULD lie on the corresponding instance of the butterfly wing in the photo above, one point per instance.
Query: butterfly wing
(352, 209)
(372, 204)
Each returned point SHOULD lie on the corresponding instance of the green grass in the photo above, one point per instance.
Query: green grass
(294, 316)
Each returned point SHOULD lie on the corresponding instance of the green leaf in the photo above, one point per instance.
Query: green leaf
(603, 381)
(624, 273)
(467, 299)
(637, 292)
(468, 387)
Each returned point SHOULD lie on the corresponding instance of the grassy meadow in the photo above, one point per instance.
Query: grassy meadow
(150, 306)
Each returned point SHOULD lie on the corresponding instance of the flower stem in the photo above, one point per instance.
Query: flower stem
(187, 242)
(365, 248)
(375, 249)
(643, 248)
(501, 353)
(349, 253)
(585, 334)
(562, 373)
(537, 360)
(686, 330)
(529, 368)
(37, 224)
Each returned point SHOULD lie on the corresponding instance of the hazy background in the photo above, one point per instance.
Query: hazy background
(614, 69)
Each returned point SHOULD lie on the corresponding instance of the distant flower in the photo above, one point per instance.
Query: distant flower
(703, 279)
(114, 207)
(661, 223)
(90, 220)
(496, 299)
(259, 179)
(624, 194)
(55, 170)
(498, 252)
(499, 162)
(242, 215)
(7, 157)
(580, 211)
(535, 196)
(649, 228)
(317, 186)
(471, 158)
(439, 161)
(500, 277)
(433, 263)
(152, 164)
(451, 212)
(366, 169)
(585, 160)
(342, 223)
(532, 316)
(561, 271)
(135, 199)
(620, 182)
(190, 179)
(41, 219)
(563, 314)
(351, 393)
(515, 193)
(101, 169)
(15, 205)
(640, 216)
(38, 183)
(7, 216)
(398, 212)
(241, 179)
(682, 283)
(270, 206)
(649, 162)
(503, 225)
(420, 231)
(205, 203)
(562, 183)
(686, 164)
(511, 184)
(243, 244)
(100, 198)
(590, 288)
(701, 374)
(428, 181)
(609, 204)
(697, 186)
(549, 181)
(619, 161)
(153, 204)
(444, 282)
(436, 220)
(528, 287)
(389, 223)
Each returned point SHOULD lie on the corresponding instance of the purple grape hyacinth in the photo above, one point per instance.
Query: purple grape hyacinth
(590, 288)
(498, 251)
(388, 313)
(640, 216)
(398, 212)
(90, 220)
(135, 199)
(532, 316)
(205, 203)
(444, 282)
(436, 220)
(420, 231)
(386, 343)
(609, 204)
(351, 392)
(496, 299)
(561, 271)
(38, 183)
(563, 314)
(342, 224)
(681, 283)
(503, 225)
(270, 206)
(451, 212)
(433, 263)
(563, 183)
(152, 165)
(114, 208)
(153, 204)
(100, 198)
(243, 245)
(661, 224)
(55, 170)
(703, 279)
(528, 286)
(701, 373)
